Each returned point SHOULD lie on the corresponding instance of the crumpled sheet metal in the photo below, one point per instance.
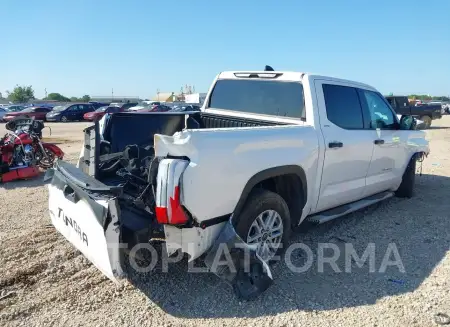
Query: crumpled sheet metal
(237, 263)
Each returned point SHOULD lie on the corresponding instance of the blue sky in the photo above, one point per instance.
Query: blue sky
(78, 47)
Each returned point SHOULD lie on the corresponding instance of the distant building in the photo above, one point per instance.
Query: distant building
(165, 97)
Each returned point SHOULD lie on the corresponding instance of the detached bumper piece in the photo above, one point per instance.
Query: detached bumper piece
(237, 263)
(18, 173)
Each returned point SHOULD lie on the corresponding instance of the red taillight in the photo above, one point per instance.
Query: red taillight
(169, 208)
(161, 215)
(175, 211)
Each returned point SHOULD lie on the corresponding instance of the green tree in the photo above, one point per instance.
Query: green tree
(86, 98)
(74, 99)
(21, 94)
(57, 97)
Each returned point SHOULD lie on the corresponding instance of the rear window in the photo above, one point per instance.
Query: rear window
(259, 97)
(343, 106)
(402, 102)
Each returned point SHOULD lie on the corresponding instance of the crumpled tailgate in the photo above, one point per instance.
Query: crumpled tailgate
(85, 212)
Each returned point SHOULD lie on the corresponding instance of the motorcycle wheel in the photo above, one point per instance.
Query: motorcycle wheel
(43, 161)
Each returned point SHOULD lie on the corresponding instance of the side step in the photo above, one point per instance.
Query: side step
(345, 209)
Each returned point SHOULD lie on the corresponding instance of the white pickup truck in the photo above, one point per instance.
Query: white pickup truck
(269, 151)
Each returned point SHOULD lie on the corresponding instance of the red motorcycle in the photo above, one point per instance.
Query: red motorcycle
(22, 152)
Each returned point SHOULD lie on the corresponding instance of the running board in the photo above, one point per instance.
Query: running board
(345, 209)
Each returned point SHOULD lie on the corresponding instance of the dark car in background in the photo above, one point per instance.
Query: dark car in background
(38, 113)
(425, 112)
(69, 112)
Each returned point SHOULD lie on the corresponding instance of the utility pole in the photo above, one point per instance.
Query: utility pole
(45, 90)
(112, 94)
(157, 92)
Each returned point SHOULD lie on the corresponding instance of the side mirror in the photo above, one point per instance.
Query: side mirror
(408, 122)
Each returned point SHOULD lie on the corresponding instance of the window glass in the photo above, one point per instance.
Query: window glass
(381, 116)
(343, 106)
(259, 97)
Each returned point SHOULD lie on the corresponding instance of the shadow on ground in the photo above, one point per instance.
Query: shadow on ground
(418, 227)
(438, 127)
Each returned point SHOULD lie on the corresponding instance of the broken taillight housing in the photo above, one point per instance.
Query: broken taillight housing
(169, 209)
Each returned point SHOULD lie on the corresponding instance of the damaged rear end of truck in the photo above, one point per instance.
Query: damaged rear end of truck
(128, 189)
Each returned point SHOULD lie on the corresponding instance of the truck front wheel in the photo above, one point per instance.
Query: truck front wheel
(265, 221)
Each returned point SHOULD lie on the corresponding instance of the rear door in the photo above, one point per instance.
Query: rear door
(72, 112)
(390, 144)
(82, 109)
(348, 144)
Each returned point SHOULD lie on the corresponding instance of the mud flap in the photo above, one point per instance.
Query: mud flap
(237, 263)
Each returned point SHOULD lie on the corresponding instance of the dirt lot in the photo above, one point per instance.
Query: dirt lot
(45, 282)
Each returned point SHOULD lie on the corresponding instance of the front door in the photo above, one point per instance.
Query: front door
(348, 144)
(390, 154)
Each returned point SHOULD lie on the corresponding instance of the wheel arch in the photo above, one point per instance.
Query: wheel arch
(288, 181)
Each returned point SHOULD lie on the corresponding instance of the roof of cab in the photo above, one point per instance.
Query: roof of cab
(288, 76)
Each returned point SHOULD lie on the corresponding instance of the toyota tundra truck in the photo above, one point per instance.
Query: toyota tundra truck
(269, 151)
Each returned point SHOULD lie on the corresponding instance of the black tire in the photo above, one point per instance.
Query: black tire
(426, 121)
(258, 202)
(406, 188)
(64, 119)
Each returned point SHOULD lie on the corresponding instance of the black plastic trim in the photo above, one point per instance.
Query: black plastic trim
(267, 174)
(213, 221)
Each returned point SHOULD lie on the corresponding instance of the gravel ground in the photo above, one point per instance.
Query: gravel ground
(47, 283)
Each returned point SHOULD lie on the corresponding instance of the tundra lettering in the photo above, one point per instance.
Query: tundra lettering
(70, 221)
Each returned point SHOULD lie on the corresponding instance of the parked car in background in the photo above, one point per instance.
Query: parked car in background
(3, 112)
(156, 108)
(446, 106)
(98, 104)
(188, 107)
(144, 105)
(100, 112)
(35, 112)
(14, 108)
(423, 111)
(124, 106)
(70, 112)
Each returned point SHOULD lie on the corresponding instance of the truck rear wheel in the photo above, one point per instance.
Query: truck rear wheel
(426, 121)
(406, 189)
(265, 220)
